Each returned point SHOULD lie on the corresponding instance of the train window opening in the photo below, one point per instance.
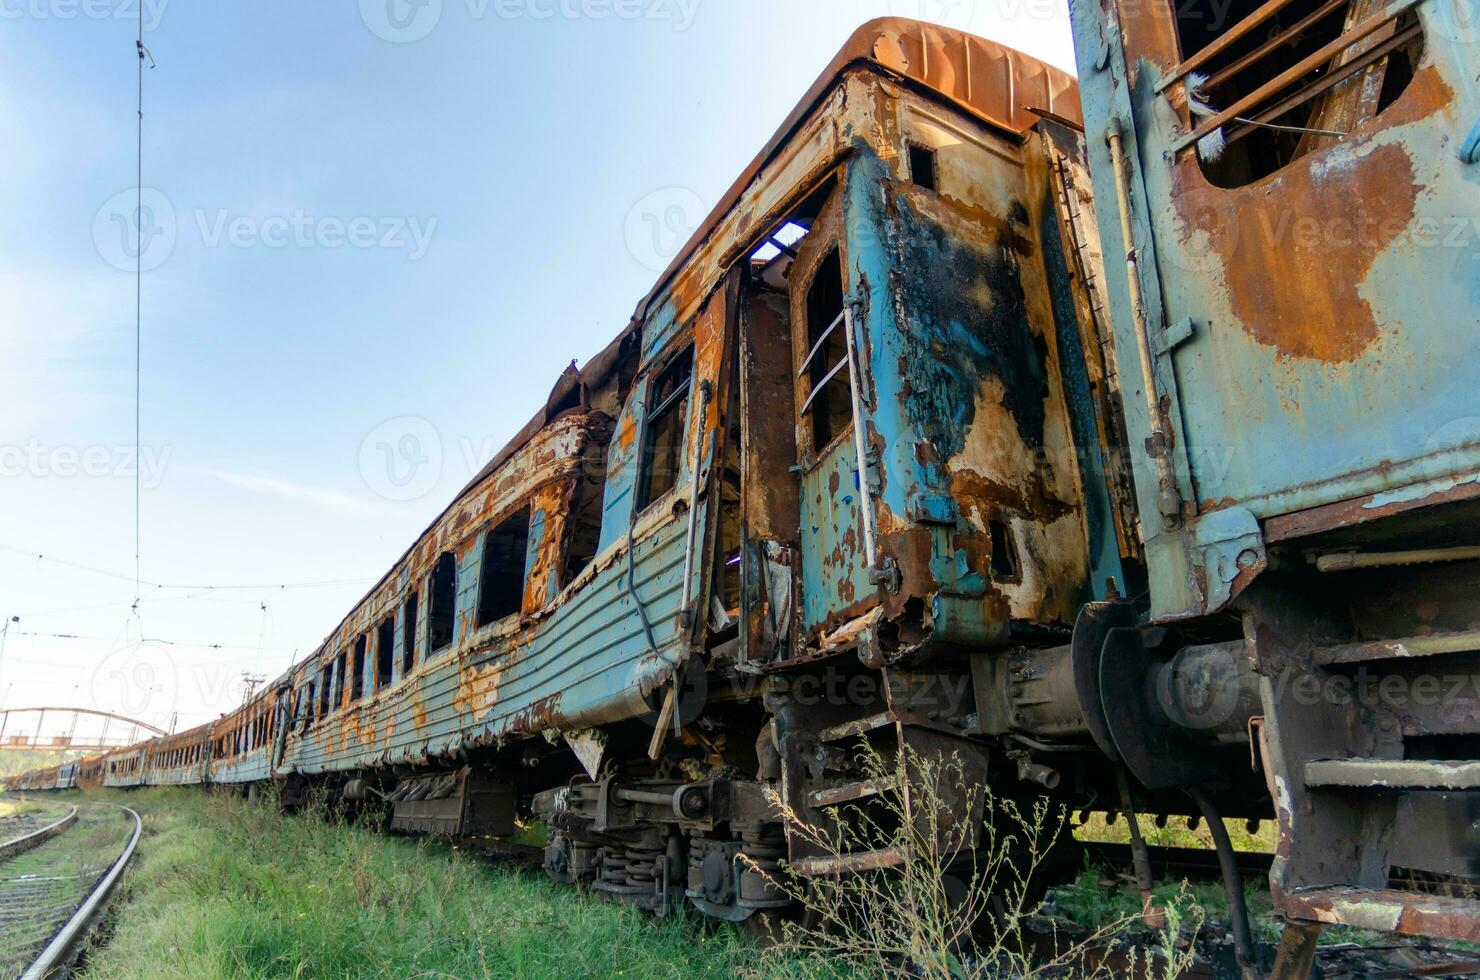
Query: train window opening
(780, 242)
(339, 666)
(1228, 62)
(442, 599)
(667, 406)
(357, 682)
(501, 571)
(1005, 563)
(325, 682)
(408, 635)
(827, 404)
(583, 520)
(772, 255)
(922, 166)
(385, 652)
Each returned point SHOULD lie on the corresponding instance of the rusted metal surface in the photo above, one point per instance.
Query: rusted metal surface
(1023, 445)
(1323, 355)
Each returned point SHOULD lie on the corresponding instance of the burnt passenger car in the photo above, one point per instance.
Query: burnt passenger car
(911, 445)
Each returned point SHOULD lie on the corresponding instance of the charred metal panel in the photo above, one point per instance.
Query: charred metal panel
(967, 405)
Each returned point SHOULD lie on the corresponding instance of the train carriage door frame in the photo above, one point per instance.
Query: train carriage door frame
(835, 533)
(769, 488)
(715, 341)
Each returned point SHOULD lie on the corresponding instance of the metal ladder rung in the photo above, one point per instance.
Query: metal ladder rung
(857, 726)
(887, 857)
(821, 339)
(1387, 910)
(847, 792)
(1393, 773)
(820, 385)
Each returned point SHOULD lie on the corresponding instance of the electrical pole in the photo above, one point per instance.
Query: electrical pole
(4, 633)
(249, 684)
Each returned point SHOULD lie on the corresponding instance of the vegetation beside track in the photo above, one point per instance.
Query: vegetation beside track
(41, 888)
(226, 888)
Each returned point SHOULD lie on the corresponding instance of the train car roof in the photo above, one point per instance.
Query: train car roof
(997, 84)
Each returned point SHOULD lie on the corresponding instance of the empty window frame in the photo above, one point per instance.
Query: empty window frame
(1005, 563)
(1236, 53)
(442, 604)
(408, 634)
(923, 166)
(357, 685)
(326, 679)
(501, 574)
(385, 652)
(827, 408)
(667, 411)
(341, 694)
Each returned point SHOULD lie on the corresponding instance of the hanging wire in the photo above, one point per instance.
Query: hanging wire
(138, 295)
(189, 586)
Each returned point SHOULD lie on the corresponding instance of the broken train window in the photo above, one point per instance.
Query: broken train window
(441, 615)
(667, 412)
(501, 575)
(385, 645)
(408, 635)
(1268, 82)
(923, 166)
(827, 407)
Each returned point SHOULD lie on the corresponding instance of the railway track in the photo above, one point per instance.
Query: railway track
(22, 831)
(53, 892)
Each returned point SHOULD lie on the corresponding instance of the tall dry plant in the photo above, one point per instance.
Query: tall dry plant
(957, 904)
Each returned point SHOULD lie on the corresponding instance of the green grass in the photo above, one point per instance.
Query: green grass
(1177, 834)
(226, 888)
(40, 887)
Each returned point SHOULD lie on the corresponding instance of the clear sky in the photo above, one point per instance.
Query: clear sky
(376, 232)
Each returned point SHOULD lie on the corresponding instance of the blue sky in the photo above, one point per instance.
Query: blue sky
(378, 231)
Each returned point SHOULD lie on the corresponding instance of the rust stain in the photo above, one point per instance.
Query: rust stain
(1301, 242)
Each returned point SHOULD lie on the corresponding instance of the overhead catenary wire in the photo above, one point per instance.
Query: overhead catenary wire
(138, 299)
(191, 586)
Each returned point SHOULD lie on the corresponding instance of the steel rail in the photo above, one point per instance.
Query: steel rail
(64, 945)
(25, 842)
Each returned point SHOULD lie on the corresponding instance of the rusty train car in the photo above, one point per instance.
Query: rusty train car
(988, 416)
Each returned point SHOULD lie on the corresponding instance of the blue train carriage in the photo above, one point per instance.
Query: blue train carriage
(1292, 186)
(180, 759)
(124, 768)
(842, 476)
(235, 750)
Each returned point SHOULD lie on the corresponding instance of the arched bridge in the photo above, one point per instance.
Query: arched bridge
(57, 729)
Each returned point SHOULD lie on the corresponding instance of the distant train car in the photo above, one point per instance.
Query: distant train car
(240, 744)
(90, 772)
(124, 768)
(178, 760)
